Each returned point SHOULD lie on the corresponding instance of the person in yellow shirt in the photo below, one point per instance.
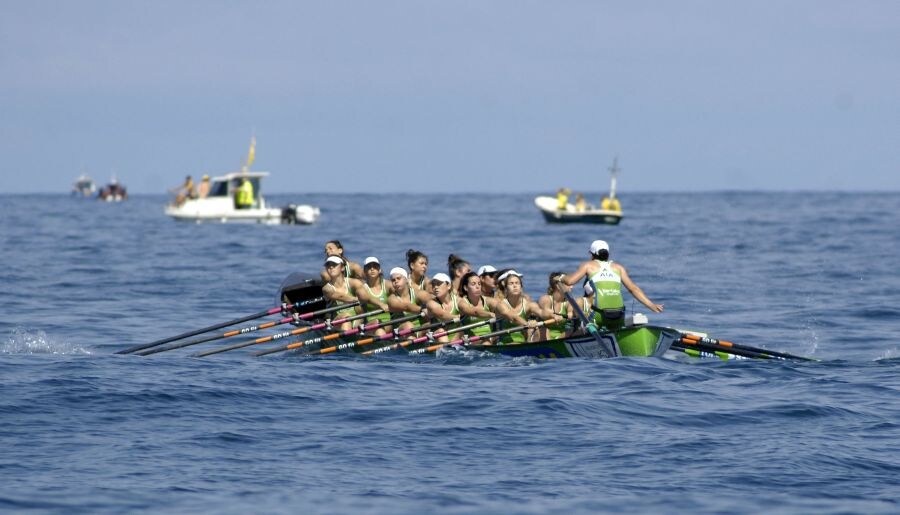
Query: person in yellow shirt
(562, 198)
(243, 197)
(579, 203)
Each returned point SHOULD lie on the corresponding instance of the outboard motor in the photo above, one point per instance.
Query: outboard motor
(289, 214)
(298, 287)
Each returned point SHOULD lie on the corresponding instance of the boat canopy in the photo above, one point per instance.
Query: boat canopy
(226, 185)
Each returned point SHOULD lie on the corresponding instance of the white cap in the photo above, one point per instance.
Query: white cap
(599, 245)
(509, 273)
(486, 269)
(444, 278)
(334, 259)
(397, 270)
(371, 259)
(588, 288)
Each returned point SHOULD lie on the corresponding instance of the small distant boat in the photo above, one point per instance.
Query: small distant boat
(84, 186)
(220, 203)
(609, 212)
(113, 192)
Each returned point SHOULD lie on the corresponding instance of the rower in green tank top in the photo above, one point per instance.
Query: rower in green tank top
(351, 268)
(374, 294)
(474, 306)
(515, 308)
(606, 279)
(418, 269)
(404, 299)
(554, 305)
(340, 290)
(444, 306)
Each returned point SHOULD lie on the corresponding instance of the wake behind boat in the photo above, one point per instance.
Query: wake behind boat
(236, 197)
(559, 210)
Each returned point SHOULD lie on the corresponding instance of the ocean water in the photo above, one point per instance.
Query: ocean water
(83, 430)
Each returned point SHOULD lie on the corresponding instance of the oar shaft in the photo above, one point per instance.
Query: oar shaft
(725, 343)
(319, 339)
(728, 350)
(396, 333)
(477, 338)
(271, 311)
(301, 330)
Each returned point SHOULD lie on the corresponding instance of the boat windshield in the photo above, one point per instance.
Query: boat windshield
(218, 189)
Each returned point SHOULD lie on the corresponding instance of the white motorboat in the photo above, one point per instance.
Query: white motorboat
(220, 203)
(84, 186)
(609, 212)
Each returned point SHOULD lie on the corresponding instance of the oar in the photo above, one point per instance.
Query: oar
(724, 343)
(297, 345)
(711, 347)
(432, 336)
(468, 340)
(591, 328)
(264, 339)
(278, 309)
(694, 353)
(397, 333)
(295, 318)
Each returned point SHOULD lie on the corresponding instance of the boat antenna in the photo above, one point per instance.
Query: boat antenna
(613, 171)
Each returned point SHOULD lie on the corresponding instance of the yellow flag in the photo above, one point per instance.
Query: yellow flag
(252, 154)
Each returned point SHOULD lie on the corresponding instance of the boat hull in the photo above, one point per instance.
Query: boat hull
(547, 206)
(223, 211)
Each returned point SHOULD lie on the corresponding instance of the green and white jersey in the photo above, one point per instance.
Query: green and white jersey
(607, 287)
(383, 296)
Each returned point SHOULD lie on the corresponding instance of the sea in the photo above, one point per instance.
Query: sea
(86, 430)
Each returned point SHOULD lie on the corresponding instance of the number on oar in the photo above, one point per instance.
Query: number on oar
(710, 347)
(591, 328)
(468, 340)
(323, 325)
(396, 333)
(414, 341)
(725, 343)
(297, 345)
(278, 309)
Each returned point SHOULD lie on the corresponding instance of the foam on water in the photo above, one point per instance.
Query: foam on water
(23, 341)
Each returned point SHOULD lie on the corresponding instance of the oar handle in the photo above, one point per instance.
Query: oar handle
(468, 340)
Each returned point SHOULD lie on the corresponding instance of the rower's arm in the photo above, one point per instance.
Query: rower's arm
(637, 292)
(436, 310)
(332, 293)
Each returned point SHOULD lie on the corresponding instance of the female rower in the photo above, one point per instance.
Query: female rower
(456, 268)
(340, 290)
(444, 305)
(405, 300)
(554, 305)
(374, 294)
(515, 308)
(418, 267)
(351, 268)
(475, 306)
(488, 275)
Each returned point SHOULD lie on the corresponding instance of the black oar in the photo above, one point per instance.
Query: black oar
(278, 309)
(264, 339)
(355, 330)
(295, 318)
(725, 343)
(591, 328)
(710, 347)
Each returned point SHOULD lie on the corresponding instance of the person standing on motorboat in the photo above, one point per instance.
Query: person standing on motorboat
(203, 189)
(243, 197)
(562, 198)
(185, 191)
(607, 279)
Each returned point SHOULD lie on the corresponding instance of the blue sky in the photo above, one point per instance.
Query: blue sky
(428, 96)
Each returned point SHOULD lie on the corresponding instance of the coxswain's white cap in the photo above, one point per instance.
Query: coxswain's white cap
(334, 259)
(599, 245)
(444, 278)
(509, 273)
(486, 269)
(371, 259)
(398, 271)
